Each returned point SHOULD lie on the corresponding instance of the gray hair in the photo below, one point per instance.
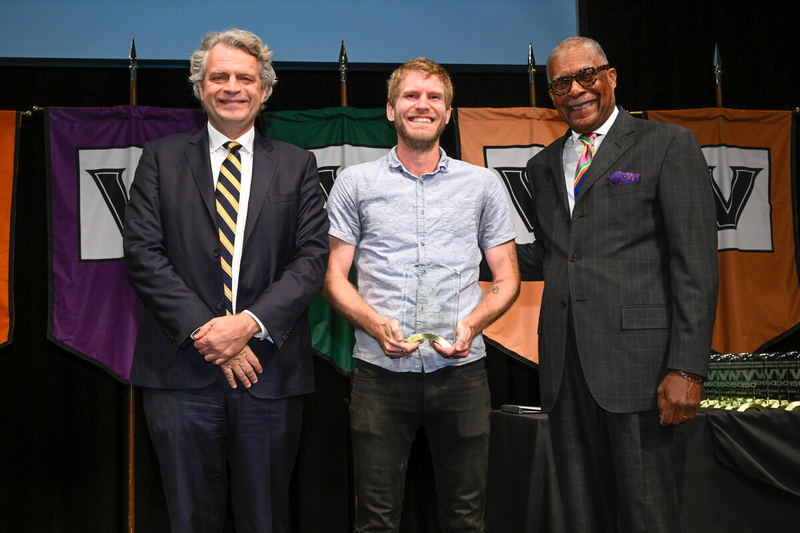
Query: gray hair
(574, 42)
(241, 39)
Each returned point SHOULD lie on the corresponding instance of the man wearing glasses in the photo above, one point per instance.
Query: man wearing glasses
(626, 243)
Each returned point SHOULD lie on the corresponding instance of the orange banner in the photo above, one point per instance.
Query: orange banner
(749, 159)
(9, 129)
(503, 140)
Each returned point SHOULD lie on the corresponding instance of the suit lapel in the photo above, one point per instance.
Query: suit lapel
(556, 164)
(197, 153)
(264, 165)
(618, 141)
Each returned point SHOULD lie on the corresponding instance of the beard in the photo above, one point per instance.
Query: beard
(419, 142)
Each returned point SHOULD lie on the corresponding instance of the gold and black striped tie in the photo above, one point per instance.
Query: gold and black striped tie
(227, 196)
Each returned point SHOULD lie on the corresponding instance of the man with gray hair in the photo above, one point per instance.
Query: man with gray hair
(225, 243)
(626, 243)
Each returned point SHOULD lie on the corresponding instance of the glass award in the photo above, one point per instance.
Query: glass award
(429, 308)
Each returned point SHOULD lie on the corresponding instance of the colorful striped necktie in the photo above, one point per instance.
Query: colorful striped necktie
(584, 161)
(227, 196)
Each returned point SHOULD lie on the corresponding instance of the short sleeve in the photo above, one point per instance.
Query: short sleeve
(496, 226)
(343, 209)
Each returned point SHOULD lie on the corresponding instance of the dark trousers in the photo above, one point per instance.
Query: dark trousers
(387, 408)
(616, 471)
(201, 434)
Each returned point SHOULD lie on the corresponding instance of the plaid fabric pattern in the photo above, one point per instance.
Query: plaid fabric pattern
(637, 264)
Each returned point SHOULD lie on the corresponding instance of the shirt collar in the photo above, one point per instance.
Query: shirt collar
(217, 139)
(444, 161)
(602, 130)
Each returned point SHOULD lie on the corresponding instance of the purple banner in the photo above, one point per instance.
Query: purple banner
(92, 157)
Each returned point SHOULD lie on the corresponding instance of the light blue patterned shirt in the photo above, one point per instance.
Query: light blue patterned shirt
(395, 220)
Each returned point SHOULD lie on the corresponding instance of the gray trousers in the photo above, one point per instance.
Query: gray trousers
(616, 471)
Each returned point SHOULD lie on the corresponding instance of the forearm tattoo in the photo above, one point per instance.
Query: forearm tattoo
(494, 288)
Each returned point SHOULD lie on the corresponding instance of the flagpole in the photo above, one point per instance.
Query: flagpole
(531, 72)
(343, 81)
(134, 66)
(343, 73)
(718, 74)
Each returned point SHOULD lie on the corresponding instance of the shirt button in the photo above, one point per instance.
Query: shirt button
(422, 243)
(573, 258)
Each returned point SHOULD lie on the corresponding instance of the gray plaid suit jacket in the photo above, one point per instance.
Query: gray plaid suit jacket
(637, 263)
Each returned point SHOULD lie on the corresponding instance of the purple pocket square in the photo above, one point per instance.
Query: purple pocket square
(623, 177)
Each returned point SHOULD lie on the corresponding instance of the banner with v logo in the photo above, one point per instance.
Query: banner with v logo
(751, 171)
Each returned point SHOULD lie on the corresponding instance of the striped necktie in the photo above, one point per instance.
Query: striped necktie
(584, 161)
(227, 196)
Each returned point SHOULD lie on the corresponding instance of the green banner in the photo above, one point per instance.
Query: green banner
(338, 137)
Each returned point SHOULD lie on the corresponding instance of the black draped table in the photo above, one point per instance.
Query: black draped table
(742, 474)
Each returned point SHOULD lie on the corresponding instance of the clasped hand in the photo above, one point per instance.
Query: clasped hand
(392, 341)
(222, 341)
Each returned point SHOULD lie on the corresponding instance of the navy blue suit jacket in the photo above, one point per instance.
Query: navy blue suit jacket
(172, 260)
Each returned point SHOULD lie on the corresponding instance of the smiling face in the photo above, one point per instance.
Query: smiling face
(584, 109)
(231, 90)
(420, 112)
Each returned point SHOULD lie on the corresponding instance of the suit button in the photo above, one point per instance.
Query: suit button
(216, 252)
(563, 303)
(573, 258)
(220, 306)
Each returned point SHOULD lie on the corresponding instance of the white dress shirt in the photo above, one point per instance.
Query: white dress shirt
(573, 149)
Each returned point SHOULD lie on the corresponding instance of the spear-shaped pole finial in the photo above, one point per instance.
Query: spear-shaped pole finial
(343, 73)
(531, 72)
(718, 74)
(134, 66)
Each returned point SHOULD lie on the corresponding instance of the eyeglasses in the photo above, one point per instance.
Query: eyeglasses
(586, 77)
